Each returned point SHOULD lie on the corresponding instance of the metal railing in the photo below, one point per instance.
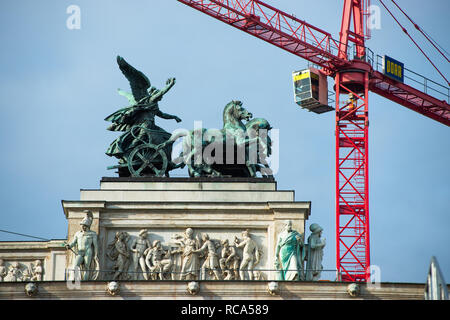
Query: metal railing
(258, 275)
(412, 78)
(419, 82)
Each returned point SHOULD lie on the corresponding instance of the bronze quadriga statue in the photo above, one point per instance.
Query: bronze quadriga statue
(144, 149)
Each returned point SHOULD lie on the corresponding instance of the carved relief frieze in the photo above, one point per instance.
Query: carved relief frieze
(188, 254)
(19, 271)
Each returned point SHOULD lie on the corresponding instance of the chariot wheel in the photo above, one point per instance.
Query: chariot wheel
(145, 158)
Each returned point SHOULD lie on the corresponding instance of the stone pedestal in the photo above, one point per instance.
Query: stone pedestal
(220, 207)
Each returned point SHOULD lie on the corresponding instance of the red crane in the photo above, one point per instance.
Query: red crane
(355, 70)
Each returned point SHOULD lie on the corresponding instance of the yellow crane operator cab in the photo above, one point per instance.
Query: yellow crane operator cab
(311, 90)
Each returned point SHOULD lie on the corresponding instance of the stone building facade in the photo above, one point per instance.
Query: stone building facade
(143, 252)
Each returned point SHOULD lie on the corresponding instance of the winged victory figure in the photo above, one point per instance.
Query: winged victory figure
(137, 121)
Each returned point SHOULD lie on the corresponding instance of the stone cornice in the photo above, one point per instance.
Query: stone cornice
(250, 290)
(31, 245)
(211, 207)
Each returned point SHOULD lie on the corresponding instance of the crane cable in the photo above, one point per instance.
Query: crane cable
(406, 31)
(434, 41)
(24, 235)
(423, 32)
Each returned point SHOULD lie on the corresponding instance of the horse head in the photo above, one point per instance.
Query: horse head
(234, 113)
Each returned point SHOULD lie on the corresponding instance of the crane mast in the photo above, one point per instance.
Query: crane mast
(355, 74)
(352, 150)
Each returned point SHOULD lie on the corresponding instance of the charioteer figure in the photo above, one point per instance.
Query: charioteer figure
(137, 121)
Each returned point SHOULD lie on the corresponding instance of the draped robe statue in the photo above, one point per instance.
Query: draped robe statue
(191, 263)
(315, 253)
(290, 254)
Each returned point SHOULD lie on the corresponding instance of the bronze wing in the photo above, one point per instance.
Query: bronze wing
(139, 83)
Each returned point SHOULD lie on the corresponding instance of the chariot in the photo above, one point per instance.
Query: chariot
(145, 158)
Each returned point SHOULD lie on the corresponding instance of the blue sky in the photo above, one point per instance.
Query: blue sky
(57, 85)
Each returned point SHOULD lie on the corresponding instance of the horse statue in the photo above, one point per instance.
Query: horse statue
(237, 149)
(259, 128)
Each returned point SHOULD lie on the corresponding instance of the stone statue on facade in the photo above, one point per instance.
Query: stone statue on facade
(250, 255)
(211, 262)
(85, 243)
(3, 270)
(159, 261)
(14, 272)
(138, 247)
(36, 271)
(314, 254)
(119, 253)
(290, 254)
(229, 261)
(26, 274)
(190, 259)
